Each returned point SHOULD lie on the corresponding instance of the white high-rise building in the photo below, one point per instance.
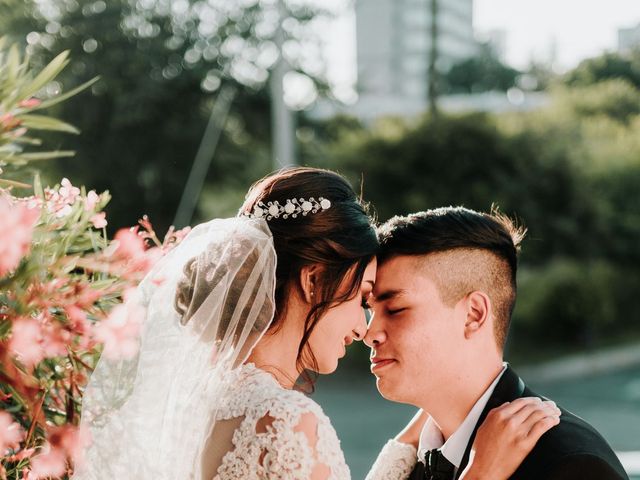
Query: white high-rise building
(394, 48)
(628, 38)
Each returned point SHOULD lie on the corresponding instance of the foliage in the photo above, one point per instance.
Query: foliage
(615, 99)
(18, 87)
(606, 67)
(481, 73)
(61, 282)
(575, 304)
(161, 66)
(569, 171)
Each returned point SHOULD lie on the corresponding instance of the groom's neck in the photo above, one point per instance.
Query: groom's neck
(450, 407)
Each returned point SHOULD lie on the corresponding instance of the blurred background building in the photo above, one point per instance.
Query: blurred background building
(628, 38)
(394, 44)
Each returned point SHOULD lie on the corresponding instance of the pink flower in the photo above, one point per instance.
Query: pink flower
(11, 434)
(72, 440)
(68, 192)
(51, 463)
(173, 237)
(33, 202)
(91, 200)
(87, 296)
(30, 103)
(26, 341)
(18, 222)
(99, 220)
(130, 245)
(9, 122)
(64, 211)
(19, 132)
(54, 340)
(152, 255)
(78, 319)
(119, 331)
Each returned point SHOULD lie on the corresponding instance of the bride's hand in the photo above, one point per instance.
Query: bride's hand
(411, 433)
(507, 436)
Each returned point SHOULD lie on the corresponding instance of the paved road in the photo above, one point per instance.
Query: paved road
(364, 421)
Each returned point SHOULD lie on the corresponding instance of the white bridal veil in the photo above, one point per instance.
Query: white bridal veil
(204, 307)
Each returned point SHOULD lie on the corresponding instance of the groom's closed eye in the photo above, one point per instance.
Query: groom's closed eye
(395, 311)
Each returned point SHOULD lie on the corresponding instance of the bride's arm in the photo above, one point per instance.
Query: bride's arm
(398, 457)
(411, 433)
(507, 436)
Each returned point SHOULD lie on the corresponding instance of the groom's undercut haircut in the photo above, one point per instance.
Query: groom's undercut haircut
(462, 251)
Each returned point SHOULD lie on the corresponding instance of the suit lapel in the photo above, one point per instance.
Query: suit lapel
(509, 387)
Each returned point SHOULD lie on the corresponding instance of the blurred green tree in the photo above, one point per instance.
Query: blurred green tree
(161, 65)
(569, 170)
(481, 73)
(606, 67)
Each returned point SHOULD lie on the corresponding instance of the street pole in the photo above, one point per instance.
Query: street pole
(433, 59)
(282, 119)
(206, 151)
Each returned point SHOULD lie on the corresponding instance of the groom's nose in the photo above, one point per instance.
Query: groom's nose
(375, 334)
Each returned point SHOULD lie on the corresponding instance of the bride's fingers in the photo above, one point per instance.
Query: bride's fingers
(539, 414)
(542, 426)
(505, 413)
(532, 412)
(510, 408)
(518, 418)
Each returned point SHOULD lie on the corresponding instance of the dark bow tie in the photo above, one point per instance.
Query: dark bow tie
(437, 467)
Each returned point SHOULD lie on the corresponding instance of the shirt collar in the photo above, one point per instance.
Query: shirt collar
(453, 449)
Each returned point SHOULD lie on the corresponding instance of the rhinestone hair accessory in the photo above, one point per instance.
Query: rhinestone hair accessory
(292, 208)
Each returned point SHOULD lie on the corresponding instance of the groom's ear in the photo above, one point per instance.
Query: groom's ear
(308, 282)
(478, 309)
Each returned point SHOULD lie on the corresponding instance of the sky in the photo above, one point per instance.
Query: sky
(578, 28)
(573, 29)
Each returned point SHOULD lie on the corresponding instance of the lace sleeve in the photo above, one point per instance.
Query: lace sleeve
(395, 462)
(292, 452)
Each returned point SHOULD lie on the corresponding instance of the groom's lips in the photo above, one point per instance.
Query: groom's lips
(377, 363)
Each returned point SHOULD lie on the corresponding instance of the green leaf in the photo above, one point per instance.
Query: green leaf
(47, 74)
(42, 122)
(13, 65)
(13, 183)
(27, 140)
(5, 327)
(64, 96)
(28, 157)
(37, 186)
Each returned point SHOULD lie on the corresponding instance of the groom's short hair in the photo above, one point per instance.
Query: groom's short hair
(476, 251)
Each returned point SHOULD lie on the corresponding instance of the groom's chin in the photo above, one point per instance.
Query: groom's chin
(386, 389)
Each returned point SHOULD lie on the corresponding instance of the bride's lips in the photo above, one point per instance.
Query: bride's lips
(378, 363)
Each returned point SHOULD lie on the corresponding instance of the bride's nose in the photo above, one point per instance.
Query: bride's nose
(361, 329)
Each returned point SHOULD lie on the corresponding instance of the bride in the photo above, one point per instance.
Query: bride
(235, 319)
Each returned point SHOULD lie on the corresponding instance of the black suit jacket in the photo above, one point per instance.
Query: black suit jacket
(572, 450)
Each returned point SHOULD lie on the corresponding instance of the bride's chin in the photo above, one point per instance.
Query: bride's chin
(329, 369)
(325, 368)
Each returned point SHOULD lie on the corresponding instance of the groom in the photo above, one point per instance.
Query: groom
(444, 294)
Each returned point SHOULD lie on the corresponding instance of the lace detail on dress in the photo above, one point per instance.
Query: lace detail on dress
(395, 461)
(280, 450)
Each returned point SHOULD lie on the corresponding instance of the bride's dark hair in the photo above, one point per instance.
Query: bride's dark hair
(341, 239)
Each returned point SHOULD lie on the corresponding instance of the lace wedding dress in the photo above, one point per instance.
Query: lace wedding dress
(259, 436)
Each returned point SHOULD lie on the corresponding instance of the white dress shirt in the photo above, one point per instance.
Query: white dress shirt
(453, 449)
